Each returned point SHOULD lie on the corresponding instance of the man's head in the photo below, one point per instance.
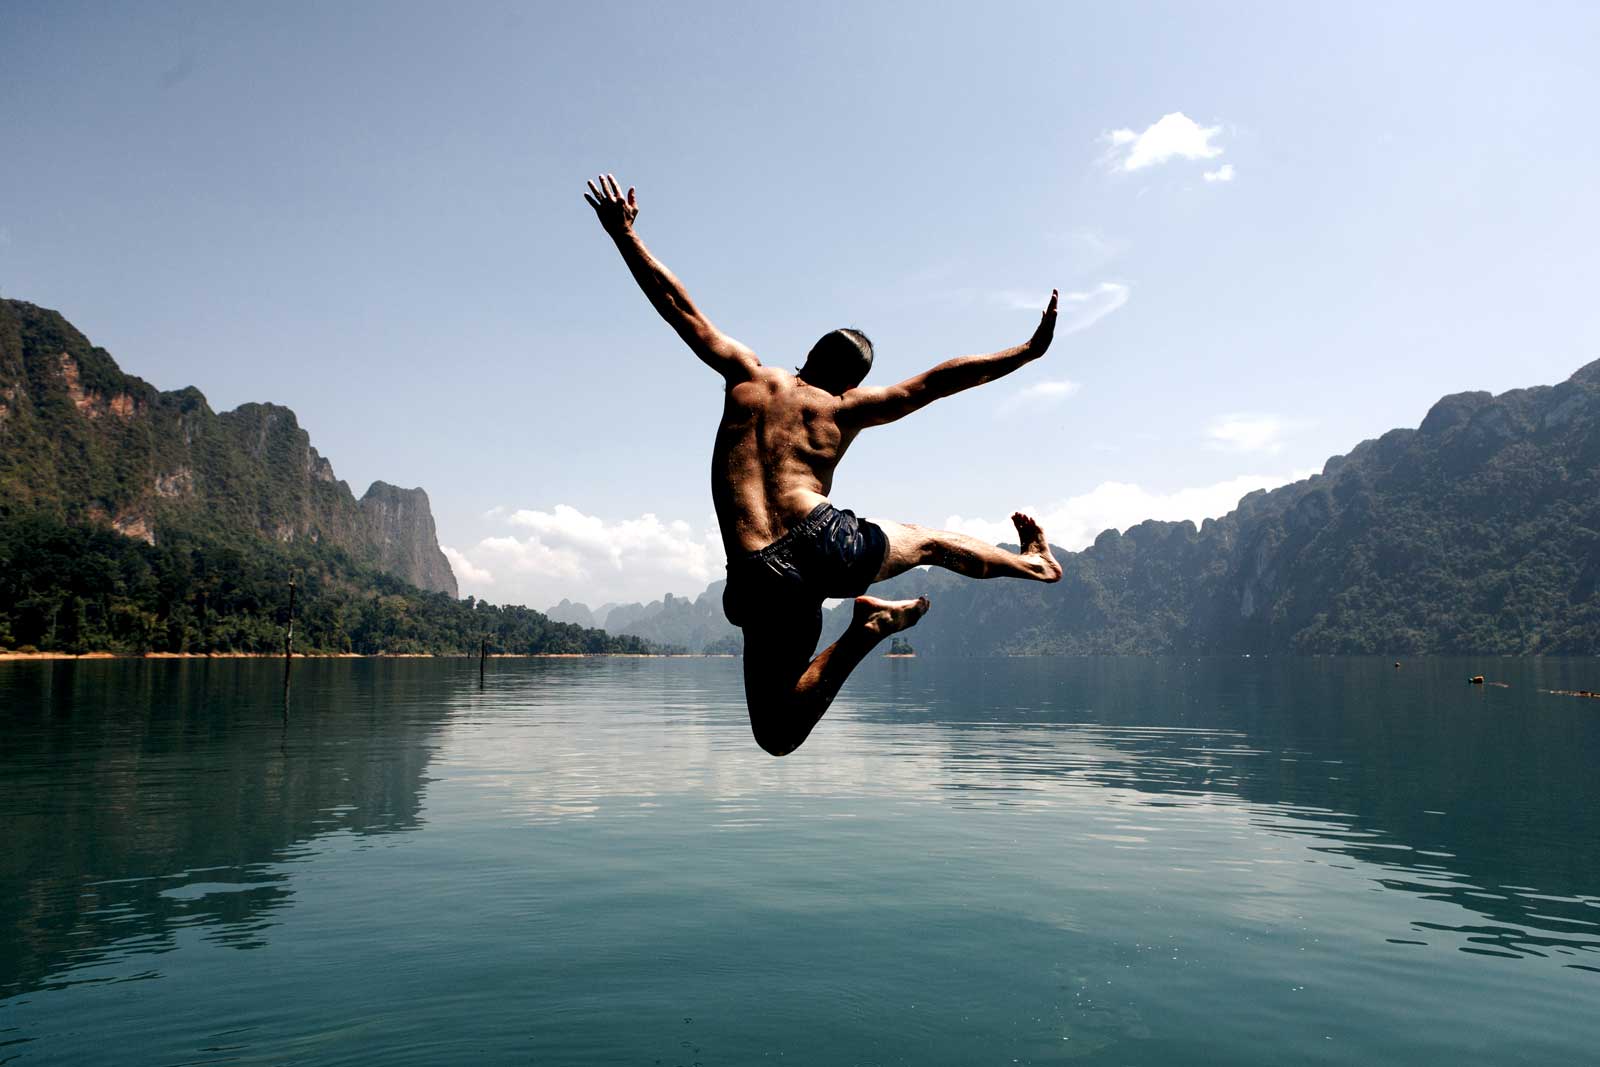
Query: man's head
(839, 361)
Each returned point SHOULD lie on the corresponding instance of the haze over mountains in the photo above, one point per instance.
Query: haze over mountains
(1478, 531)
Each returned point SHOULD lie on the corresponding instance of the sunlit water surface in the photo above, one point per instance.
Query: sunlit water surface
(984, 861)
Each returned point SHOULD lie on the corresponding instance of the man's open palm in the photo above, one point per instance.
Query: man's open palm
(1047, 325)
(616, 211)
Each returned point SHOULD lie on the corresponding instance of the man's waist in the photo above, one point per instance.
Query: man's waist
(813, 521)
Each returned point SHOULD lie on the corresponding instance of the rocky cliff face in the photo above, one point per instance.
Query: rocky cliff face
(399, 526)
(82, 441)
(1475, 532)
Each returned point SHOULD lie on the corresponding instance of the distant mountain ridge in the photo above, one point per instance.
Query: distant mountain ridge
(1476, 532)
(90, 445)
(673, 622)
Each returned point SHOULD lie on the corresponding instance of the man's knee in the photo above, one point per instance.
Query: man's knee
(772, 742)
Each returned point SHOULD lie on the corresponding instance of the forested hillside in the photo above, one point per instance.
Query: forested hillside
(85, 443)
(134, 520)
(1478, 532)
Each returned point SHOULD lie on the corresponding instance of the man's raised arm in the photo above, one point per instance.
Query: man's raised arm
(877, 405)
(720, 352)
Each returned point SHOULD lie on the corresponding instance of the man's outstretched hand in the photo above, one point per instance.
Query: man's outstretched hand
(1046, 332)
(616, 211)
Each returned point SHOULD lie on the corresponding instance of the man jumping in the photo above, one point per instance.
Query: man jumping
(772, 466)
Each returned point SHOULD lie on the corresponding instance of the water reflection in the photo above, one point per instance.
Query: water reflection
(1480, 799)
(145, 798)
(150, 805)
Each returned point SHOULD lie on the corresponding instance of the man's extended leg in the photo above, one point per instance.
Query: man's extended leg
(786, 693)
(914, 546)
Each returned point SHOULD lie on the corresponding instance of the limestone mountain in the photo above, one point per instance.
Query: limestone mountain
(673, 622)
(87, 444)
(399, 527)
(1476, 532)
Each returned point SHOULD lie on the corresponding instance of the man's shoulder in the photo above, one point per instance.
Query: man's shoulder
(769, 379)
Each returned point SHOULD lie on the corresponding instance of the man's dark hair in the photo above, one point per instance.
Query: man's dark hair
(839, 361)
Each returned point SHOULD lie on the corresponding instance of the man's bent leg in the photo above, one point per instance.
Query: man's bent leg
(788, 696)
(915, 546)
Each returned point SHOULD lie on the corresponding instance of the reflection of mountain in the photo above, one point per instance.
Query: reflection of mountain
(123, 842)
(1458, 794)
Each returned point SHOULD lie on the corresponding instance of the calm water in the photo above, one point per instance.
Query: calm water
(991, 861)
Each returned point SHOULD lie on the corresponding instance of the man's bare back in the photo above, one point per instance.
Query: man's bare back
(774, 456)
(779, 441)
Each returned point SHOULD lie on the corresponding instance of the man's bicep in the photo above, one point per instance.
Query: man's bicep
(732, 359)
(876, 405)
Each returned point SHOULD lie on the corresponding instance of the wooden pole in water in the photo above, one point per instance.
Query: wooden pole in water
(483, 659)
(288, 637)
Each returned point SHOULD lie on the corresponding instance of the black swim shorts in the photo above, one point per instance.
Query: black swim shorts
(829, 554)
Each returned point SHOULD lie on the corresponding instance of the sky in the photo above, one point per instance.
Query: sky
(1278, 229)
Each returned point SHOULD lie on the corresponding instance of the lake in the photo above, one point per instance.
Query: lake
(1118, 861)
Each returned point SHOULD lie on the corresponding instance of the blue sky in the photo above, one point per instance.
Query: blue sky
(371, 213)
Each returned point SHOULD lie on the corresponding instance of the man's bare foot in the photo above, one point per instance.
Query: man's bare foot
(1035, 547)
(884, 617)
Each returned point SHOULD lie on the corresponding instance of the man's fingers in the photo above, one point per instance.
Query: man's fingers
(631, 201)
(612, 182)
(598, 195)
(592, 201)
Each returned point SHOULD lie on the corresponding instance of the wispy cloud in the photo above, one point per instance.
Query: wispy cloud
(1248, 433)
(1076, 311)
(1223, 173)
(1075, 522)
(1038, 396)
(1089, 250)
(1172, 136)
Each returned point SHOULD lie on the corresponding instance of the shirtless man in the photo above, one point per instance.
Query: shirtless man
(772, 466)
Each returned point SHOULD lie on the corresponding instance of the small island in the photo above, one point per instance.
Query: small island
(900, 648)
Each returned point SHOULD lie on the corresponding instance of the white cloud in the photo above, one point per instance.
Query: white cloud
(1247, 433)
(467, 573)
(1075, 522)
(1174, 135)
(1039, 396)
(1223, 173)
(566, 553)
(1074, 311)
